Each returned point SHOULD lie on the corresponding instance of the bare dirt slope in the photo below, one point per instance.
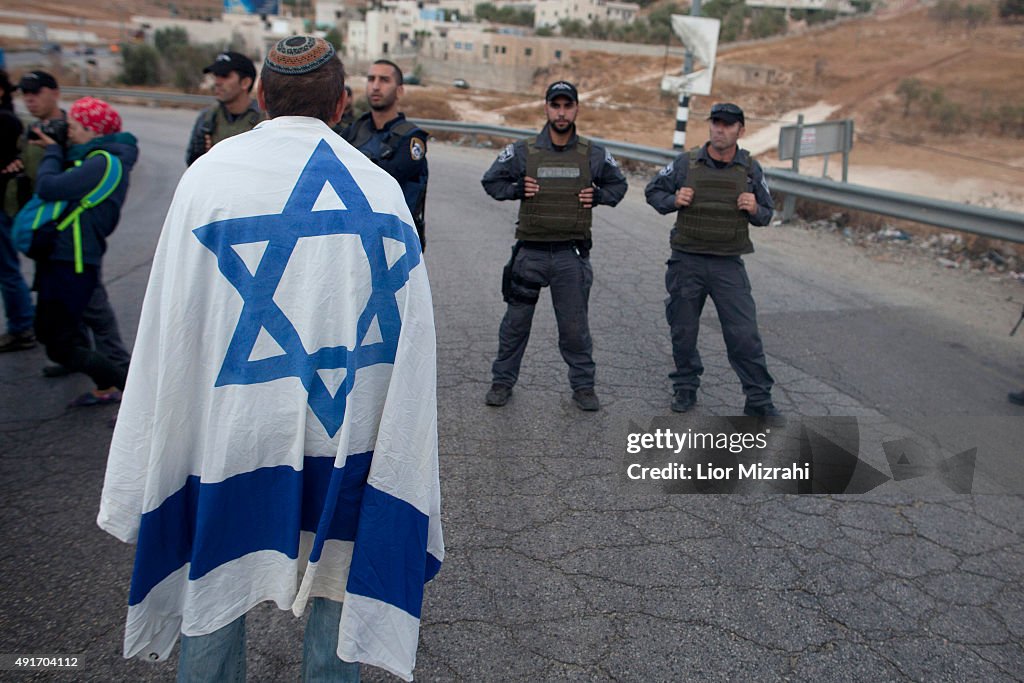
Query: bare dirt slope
(848, 70)
(851, 69)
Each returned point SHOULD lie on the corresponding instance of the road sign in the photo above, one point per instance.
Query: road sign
(816, 139)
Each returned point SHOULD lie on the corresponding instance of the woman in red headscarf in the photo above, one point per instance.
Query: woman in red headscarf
(66, 279)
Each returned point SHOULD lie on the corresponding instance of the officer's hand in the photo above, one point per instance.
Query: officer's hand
(209, 142)
(684, 195)
(747, 202)
(530, 187)
(15, 166)
(587, 197)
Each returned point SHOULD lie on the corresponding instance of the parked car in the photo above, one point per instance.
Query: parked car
(461, 83)
(411, 79)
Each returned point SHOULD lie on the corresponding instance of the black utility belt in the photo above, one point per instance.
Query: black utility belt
(582, 245)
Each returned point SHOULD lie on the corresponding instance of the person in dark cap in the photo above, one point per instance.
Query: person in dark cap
(385, 136)
(17, 299)
(236, 111)
(559, 177)
(715, 190)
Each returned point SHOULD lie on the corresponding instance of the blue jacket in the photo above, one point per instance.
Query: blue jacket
(53, 183)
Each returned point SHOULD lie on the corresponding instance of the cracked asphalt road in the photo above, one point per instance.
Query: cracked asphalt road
(554, 572)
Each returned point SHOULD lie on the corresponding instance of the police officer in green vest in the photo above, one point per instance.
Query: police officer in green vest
(236, 110)
(715, 191)
(558, 177)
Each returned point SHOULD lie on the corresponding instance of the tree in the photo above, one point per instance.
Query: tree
(1011, 10)
(183, 64)
(167, 39)
(573, 28)
(911, 90)
(767, 22)
(141, 64)
(975, 15)
(945, 12)
(334, 38)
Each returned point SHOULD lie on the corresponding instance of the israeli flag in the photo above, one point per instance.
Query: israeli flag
(278, 434)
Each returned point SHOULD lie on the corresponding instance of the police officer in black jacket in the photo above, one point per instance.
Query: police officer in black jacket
(396, 145)
(715, 191)
(559, 177)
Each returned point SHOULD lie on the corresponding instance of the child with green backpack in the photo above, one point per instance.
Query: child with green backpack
(70, 218)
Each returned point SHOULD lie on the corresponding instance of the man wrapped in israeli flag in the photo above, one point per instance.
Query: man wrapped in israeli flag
(278, 434)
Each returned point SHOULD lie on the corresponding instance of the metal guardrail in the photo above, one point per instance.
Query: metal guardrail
(162, 97)
(996, 223)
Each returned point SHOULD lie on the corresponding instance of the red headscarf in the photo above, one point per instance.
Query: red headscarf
(96, 115)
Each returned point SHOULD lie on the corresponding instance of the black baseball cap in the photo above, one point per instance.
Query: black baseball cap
(226, 62)
(34, 81)
(561, 89)
(727, 113)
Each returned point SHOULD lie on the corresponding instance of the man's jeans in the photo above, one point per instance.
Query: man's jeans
(219, 657)
(16, 297)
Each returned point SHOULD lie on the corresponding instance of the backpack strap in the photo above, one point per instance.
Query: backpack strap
(104, 188)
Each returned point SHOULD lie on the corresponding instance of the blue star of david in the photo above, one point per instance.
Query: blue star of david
(259, 311)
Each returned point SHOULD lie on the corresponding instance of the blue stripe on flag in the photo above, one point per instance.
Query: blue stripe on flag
(214, 523)
(387, 563)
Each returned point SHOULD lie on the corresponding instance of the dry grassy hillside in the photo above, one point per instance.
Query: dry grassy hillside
(968, 100)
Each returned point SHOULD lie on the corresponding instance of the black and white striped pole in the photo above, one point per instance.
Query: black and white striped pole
(682, 116)
(683, 110)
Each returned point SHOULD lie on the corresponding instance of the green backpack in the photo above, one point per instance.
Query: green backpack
(39, 223)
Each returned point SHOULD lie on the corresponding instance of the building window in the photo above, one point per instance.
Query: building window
(529, 51)
(458, 45)
(469, 46)
(558, 54)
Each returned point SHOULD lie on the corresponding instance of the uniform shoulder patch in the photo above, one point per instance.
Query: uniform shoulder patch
(506, 154)
(610, 160)
(417, 148)
(667, 170)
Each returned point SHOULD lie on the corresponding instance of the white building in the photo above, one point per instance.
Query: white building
(395, 29)
(549, 13)
(330, 13)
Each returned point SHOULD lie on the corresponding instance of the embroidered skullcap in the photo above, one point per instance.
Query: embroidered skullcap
(299, 55)
(96, 115)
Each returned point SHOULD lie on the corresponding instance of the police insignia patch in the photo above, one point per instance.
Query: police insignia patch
(506, 154)
(610, 159)
(666, 170)
(417, 149)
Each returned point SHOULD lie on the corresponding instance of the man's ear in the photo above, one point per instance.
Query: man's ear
(339, 109)
(260, 98)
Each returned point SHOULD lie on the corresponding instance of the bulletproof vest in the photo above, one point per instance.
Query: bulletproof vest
(222, 129)
(712, 224)
(555, 213)
(363, 132)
